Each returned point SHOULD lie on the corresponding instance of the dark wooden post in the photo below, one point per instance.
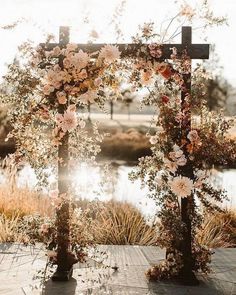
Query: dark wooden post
(187, 204)
(64, 268)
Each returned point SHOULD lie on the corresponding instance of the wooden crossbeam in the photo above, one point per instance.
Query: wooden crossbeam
(195, 51)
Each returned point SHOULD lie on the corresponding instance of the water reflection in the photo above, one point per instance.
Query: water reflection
(96, 183)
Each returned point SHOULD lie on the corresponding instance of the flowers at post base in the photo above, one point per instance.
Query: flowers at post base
(181, 186)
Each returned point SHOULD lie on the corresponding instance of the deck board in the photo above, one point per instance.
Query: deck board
(18, 265)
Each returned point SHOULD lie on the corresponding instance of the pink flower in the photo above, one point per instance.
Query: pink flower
(88, 97)
(47, 89)
(181, 186)
(155, 50)
(81, 59)
(67, 62)
(67, 121)
(109, 53)
(71, 47)
(61, 97)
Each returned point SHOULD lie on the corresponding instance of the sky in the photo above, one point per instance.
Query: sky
(39, 17)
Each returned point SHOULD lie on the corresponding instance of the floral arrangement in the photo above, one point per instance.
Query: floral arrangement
(48, 87)
(188, 142)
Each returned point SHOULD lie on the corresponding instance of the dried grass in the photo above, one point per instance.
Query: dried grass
(20, 201)
(120, 223)
(219, 230)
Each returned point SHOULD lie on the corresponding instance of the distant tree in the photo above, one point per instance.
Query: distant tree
(127, 97)
(217, 88)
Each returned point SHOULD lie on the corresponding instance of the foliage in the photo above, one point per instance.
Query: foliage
(183, 148)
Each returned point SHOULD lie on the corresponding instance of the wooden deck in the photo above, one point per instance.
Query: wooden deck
(19, 264)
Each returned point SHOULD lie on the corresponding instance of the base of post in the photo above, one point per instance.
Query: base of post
(188, 279)
(62, 275)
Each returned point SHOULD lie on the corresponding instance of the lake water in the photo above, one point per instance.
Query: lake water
(88, 183)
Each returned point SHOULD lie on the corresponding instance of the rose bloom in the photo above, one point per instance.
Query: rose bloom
(67, 62)
(165, 99)
(181, 161)
(193, 136)
(88, 97)
(153, 139)
(81, 59)
(47, 89)
(109, 53)
(181, 186)
(61, 97)
(56, 51)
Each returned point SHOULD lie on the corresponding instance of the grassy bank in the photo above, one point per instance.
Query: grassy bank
(110, 222)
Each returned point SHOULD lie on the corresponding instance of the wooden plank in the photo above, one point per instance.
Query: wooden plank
(17, 270)
(195, 51)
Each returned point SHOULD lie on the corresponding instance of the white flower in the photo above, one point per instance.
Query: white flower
(181, 161)
(88, 97)
(200, 174)
(181, 186)
(68, 121)
(176, 148)
(153, 139)
(110, 53)
(81, 123)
